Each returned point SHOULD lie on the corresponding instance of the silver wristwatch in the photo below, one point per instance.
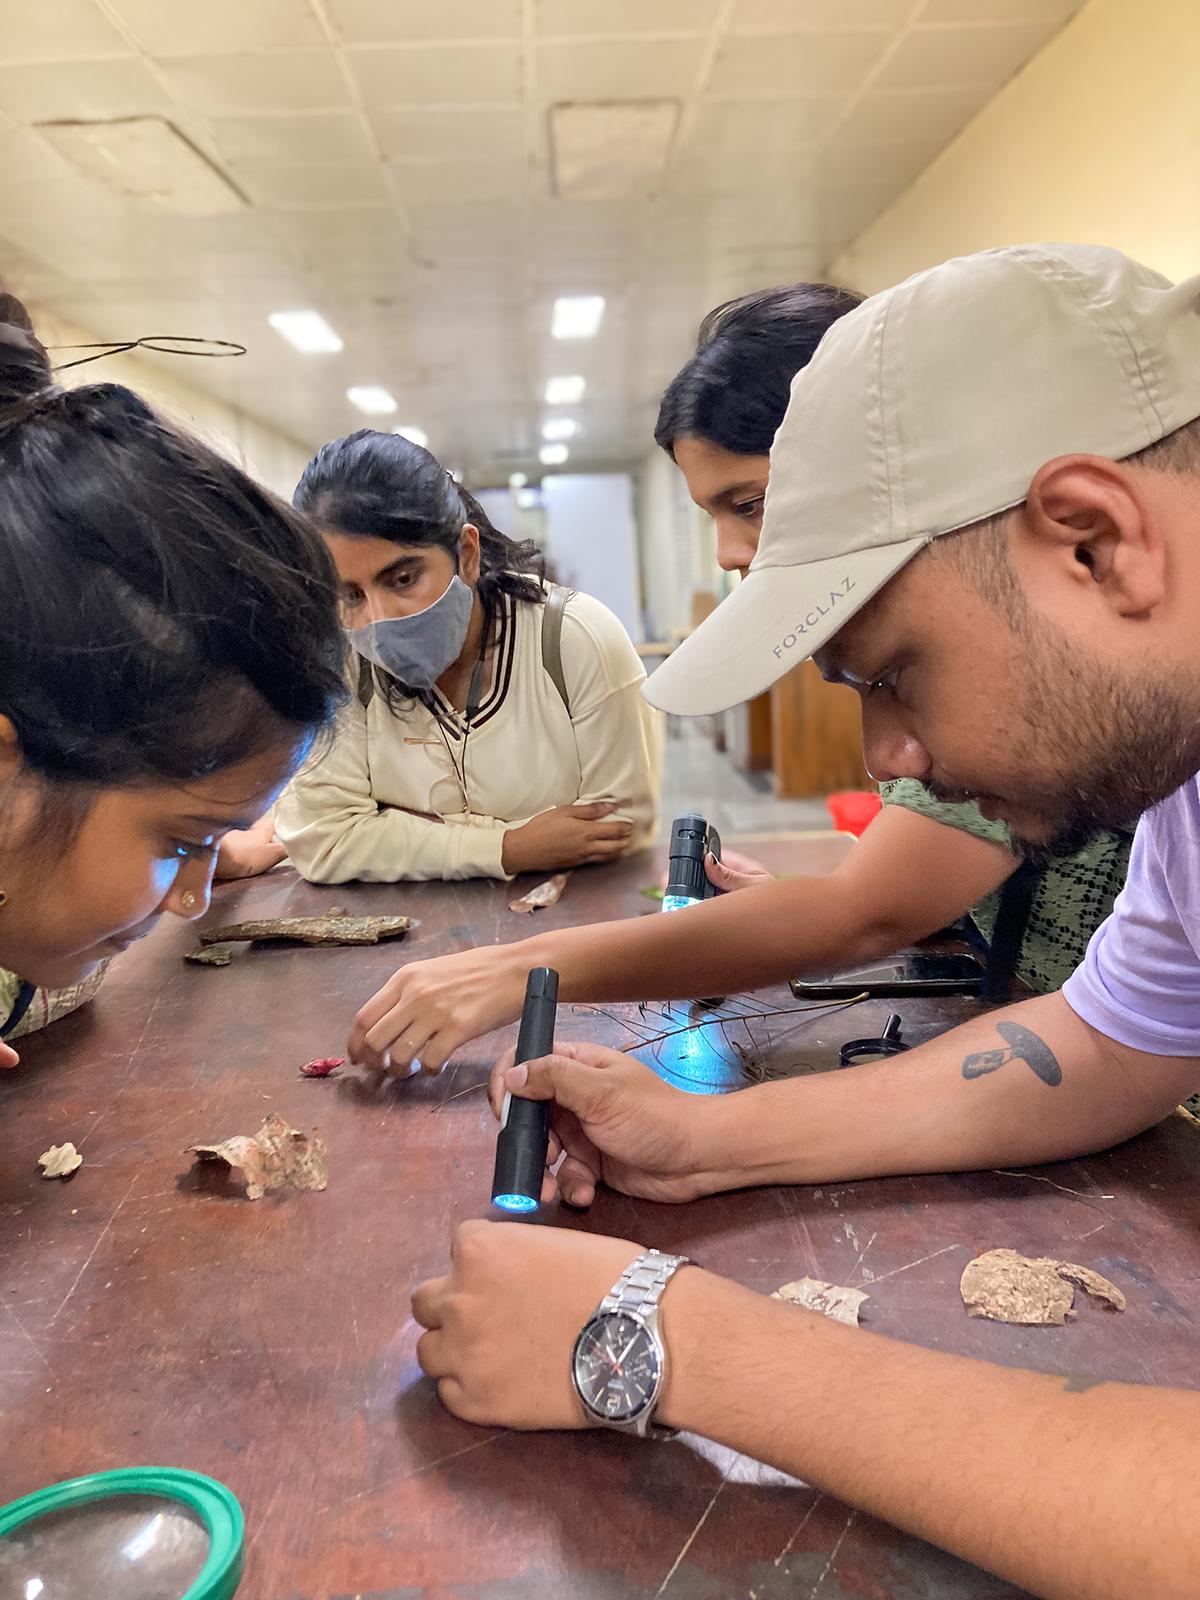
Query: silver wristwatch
(619, 1363)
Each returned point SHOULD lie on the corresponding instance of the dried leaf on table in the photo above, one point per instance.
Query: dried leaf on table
(276, 1157)
(830, 1299)
(211, 955)
(322, 1067)
(60, 1161)
(545, 894)
(1032, 1291)
(312, 930)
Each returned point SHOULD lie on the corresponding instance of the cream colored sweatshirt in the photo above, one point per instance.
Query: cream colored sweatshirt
(385, 799)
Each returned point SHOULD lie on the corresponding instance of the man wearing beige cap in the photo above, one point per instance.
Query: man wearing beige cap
(984, 515)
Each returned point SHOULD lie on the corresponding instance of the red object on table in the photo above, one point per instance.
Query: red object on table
(853, 809)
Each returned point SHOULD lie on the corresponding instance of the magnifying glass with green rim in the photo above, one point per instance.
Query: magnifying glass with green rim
(142, 1533)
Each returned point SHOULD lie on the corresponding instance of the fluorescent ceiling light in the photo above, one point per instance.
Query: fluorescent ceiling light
(577, 316)
(559, 428)
(413, 434)
(369, 397)
(565, 391)
(146, 158)
(517, 480)
(553, 455)
(306, 331)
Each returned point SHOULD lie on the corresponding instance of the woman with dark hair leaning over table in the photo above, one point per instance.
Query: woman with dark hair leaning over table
(922, 864)
(170, 650)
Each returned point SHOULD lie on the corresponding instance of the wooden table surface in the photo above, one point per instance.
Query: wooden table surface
(148, 1316)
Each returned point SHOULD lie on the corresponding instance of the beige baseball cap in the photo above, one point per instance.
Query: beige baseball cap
(929, 407)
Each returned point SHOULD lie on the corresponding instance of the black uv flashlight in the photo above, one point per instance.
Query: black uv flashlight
(525, 1124)
(687, 881)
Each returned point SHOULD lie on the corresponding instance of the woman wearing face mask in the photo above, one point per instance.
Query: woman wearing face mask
(170, 649)
(469, 751)
(920, 865)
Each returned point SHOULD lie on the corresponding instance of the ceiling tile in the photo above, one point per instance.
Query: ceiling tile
(741, 126)
(79, 90)
(294, 80)
(323, 137)
(469, 74)
(936, 114)
(460, 134)
(412, 21)
(288, 185)
(203, 27)
(945, 56)
(1050, 13)
(611, 69)
(793, 64)
(766, 16)
(459, 181)
(896, 163)
(58, 30)
(722, 170)
(571, 18)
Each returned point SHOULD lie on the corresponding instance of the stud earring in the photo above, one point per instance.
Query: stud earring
(187, 899)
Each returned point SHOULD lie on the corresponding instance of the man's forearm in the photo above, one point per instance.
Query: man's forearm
(1073, 1491)
(1027, 1084)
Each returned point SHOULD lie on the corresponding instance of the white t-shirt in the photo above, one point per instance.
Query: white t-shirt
(385, 799)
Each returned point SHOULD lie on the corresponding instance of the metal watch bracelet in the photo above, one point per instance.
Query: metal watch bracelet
(641, 1284)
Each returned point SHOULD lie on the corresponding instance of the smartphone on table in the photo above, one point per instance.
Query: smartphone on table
(897, 977)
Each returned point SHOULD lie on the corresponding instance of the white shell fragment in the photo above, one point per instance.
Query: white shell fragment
(60, 1161)
(830, 1299)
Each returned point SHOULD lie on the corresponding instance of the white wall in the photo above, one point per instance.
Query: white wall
(590, 539)
(269, 456)
(676, 544)
(1096, 141)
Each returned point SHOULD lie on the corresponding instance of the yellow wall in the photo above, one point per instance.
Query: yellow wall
(266, 454)
(1097, 141)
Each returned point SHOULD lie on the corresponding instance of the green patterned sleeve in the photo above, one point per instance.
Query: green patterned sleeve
(914, 796)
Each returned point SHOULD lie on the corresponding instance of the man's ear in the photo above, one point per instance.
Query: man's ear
(1096, 524)
(468, 554)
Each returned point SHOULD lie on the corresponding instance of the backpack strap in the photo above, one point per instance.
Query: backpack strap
(366, 682)
(552, 621)
(1012, 920)
(21, 1005)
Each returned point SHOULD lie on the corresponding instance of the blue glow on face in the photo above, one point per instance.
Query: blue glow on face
(515, 1202)
(677, 902)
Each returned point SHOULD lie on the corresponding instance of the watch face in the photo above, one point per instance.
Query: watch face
(617, 1367)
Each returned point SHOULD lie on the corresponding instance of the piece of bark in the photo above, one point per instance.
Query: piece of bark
(830, 1299)
(211, 955)
(312, 930)
(1031, 1291)
(60, 1161)
(545, 894)
(276, 1157)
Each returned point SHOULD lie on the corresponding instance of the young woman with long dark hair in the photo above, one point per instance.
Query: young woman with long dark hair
(499, 728)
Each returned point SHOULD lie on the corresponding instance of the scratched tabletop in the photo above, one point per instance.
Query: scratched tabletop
(151, 1314)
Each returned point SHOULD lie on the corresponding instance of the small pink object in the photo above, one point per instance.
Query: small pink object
(853, 809)
(322, 1066)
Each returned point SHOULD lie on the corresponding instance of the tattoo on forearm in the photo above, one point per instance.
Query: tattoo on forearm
(1022, 1046)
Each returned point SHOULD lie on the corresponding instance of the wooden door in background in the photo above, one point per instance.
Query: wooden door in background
(816, 736)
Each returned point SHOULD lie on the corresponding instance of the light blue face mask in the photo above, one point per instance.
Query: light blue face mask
(418, 649)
